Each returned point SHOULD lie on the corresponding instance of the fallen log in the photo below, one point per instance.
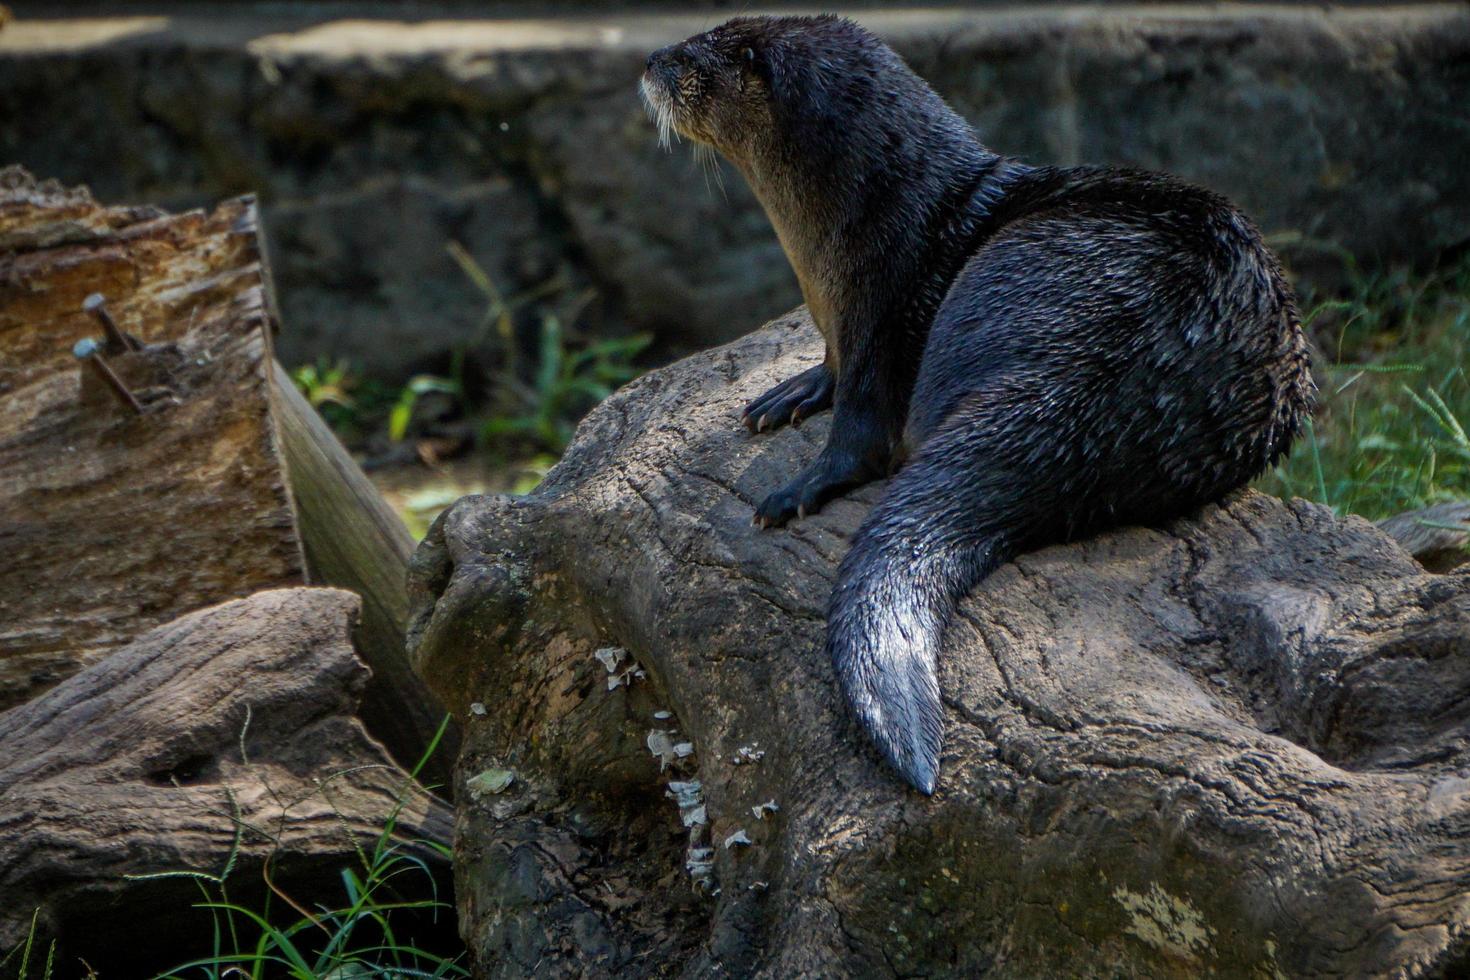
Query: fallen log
(237, 718)
(203, 477)
(1437, 536)
(1231, 746)
(114, 520)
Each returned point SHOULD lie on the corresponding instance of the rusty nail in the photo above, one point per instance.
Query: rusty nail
(96, 304)
(88, 350)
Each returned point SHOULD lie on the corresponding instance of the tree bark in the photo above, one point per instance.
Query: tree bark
(1234, 745)
(237, 716)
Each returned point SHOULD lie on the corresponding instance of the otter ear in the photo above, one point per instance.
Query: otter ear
(759, 63)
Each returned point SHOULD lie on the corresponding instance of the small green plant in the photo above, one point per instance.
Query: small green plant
(355, 938)
(1394, 400)
(566, 383)
(326, 385)
(351, 404)
(533, 400)
(25, 950)
(537, 405)
(408, 397)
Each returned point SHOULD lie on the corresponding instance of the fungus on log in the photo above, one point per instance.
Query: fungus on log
(205, 478)
(1233, 744)
(240, 716)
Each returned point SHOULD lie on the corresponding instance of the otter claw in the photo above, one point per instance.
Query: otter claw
(804, 395)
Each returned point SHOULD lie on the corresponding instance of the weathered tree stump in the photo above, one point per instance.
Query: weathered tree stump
(1233, 746)
(149, 761)
(114, 520)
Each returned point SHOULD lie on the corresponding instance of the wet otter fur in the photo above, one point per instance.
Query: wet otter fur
(1048, 351)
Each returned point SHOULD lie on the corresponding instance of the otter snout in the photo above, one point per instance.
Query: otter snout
(665, 65)
(658, 86)
(705, 88)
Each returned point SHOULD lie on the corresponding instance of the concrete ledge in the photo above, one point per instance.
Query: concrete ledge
(374, 142)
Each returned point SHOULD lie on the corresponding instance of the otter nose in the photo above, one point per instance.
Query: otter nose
(662, 54)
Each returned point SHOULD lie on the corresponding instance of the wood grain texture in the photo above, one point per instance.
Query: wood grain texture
(1231, 746)
(113, 522)
(138, 764)
(354, 540)
(229, 482)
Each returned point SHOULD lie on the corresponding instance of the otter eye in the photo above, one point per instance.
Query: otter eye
(748, 54)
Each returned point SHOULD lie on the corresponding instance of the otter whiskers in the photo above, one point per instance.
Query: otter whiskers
(660, 108)
(657, 103)
(704, 155)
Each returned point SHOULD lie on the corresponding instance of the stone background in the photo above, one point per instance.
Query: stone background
(374, 141)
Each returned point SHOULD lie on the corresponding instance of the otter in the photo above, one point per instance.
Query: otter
(1041, 352)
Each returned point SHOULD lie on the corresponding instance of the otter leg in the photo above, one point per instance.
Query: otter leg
(869, 403)
(834, 473)
(858, 451)
(792, 400)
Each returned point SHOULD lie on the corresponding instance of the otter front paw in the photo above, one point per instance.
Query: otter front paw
(791, 401)
(825, 479)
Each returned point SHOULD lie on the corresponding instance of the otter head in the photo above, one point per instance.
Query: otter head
(750, 84)
(713, 88)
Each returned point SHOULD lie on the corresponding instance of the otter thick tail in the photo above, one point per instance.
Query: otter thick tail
(1155, 365)
(920, 550)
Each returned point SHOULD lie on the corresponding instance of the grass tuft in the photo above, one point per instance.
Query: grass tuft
(354, 938)
(24, 950)
(1394, 402)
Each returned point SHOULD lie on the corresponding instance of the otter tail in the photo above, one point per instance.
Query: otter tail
(921, 549)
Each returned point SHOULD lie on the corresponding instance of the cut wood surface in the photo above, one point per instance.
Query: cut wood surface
(111, 521)
(114, 520)
(1232, 746)
(145, 762)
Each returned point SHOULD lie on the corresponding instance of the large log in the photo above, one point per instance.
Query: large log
(241, 715)
(115, 520)
(1231, 746)
(112, 521)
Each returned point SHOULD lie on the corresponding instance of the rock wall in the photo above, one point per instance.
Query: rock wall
(375, 142)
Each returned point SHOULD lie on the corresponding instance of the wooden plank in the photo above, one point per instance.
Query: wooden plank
(355, 541)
